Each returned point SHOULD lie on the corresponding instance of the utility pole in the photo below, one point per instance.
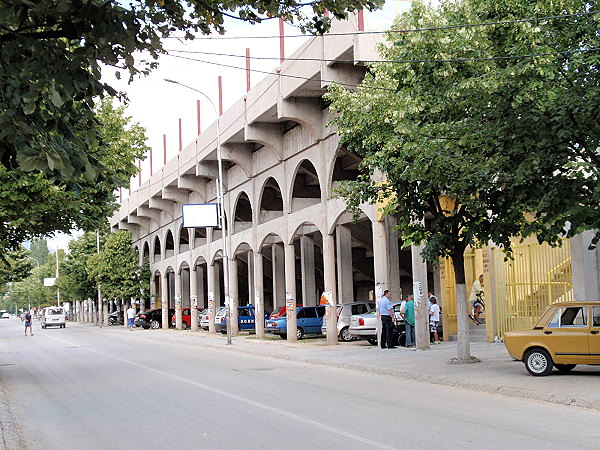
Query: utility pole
(100, 305)
(57, 288)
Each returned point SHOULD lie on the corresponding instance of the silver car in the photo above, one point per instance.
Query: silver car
(364, 326)
(203, 317)
(344, 312)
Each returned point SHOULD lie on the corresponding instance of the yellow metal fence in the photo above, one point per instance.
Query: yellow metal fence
(538, 276)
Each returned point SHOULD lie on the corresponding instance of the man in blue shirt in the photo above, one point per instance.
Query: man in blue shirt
(386, 312)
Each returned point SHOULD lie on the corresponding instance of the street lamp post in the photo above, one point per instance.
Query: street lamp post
(221, 196)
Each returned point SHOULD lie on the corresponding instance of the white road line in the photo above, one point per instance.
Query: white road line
(239, 398)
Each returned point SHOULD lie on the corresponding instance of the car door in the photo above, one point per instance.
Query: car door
(594, 341)
(246, 318)
(567, 335)
(302, 317)
(317, 322)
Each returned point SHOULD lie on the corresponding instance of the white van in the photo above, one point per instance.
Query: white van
(54, 316)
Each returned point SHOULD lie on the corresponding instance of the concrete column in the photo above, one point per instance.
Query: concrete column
(234, 293)
(307, 264)
(178, 290)
(79, 315)
(290, 287)
(250, 276)
(380, 263)
(210, 280)
(194, 298)
(105, 311)
(329, 279)
(278, 263)
(200, 280)
(394, 258)
(585, 266)
(259, 299)
(345, 287)
(419, 269)
(164, 294)
(218, 283)
(489, 273)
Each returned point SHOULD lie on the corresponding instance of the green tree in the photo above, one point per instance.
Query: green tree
(31, 203)
(30, 291)
(74, 280)
(15, 266)
(39, 251)
(115, 269)
(486, 142)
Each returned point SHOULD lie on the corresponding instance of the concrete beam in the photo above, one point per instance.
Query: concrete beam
(306, 111)
(162, 205)
(145, 211)
(267, 134)
(207, 169)
(240, 154)
(175, 194)
(194, 184)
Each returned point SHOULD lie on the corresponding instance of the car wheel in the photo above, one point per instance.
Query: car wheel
(112, 321)
(299, 333)
(154, 324)
(345, 334)
(564, 367)
(402, 340)
(184, 325)
(538, 362)
(372, 341)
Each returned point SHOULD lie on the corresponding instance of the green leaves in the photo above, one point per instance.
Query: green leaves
(498, 137)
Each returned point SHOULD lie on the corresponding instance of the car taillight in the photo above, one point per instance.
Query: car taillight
(361, 322)
(142, 316)
(339, 312)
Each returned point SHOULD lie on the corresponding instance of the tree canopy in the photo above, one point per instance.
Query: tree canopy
(56, 163)
(488, 132)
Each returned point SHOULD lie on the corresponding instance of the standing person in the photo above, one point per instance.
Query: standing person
(476, 299)
(130, 316)
(386, 312)
(434, 318)
(409, 321)
(27, 319)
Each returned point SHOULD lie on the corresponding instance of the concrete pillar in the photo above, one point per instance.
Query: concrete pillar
(394, 258)
(329, 279)
(380, 263)
(194, 298)
(200, 280)
(419, 269)
(234, 293)
(259, 299)
(105, 311)
(210, 280)
(218, 282)
(585, 267)
(307, 264)
(178, 290)
(164, 294)
(278, 263)
(290, 287)
(250, 276)
(79, 315)
(345, 287)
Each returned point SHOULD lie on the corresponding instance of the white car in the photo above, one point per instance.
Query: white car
(203, 318)
(54, 316)
(5, 315)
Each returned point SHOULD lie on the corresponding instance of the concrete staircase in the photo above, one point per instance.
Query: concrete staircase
(477, 332)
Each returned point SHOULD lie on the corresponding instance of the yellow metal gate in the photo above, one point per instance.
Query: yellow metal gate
(538, 276)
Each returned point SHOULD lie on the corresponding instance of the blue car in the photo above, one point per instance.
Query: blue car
(246, 319)
(309, 318)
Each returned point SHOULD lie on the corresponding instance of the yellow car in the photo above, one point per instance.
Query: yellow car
(565, 335)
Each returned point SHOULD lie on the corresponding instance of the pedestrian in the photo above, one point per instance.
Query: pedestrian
(409, 321)
(429, 297)
(434, 318)
(386, 312)
(27, 319)
(476, 299)
(130, 316)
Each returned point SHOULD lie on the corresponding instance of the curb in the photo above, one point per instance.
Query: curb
(10, 434)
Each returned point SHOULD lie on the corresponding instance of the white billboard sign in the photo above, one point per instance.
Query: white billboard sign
(49, 281)
(200, 215)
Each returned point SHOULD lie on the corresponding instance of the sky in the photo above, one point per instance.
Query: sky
(158, 105)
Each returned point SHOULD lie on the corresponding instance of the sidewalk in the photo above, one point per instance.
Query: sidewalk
(496, 373)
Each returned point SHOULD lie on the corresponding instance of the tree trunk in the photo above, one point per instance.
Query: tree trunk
(462, 311)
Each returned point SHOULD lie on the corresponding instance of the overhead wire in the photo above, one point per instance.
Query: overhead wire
(414, 30)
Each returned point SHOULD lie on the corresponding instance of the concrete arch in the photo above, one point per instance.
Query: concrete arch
(199, 261)
(268, 185)
(304, 223)
(146, 251)
(264, 240)
(343, 165)
(182, 266)
(300, 190)
(242, 246)
(183, 240)
(246, 218)
(169, 244)
(157, 246)
(218, 252)
(344, 217)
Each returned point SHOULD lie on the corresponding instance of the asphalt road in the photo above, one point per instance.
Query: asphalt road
(82, 387)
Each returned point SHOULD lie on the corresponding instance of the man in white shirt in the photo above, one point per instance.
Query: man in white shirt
(130, 316)
(434, 318)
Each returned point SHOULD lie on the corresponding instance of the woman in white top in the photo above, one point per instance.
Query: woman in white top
(434, 318)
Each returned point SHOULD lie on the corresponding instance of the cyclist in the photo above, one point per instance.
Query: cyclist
(476, 299)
